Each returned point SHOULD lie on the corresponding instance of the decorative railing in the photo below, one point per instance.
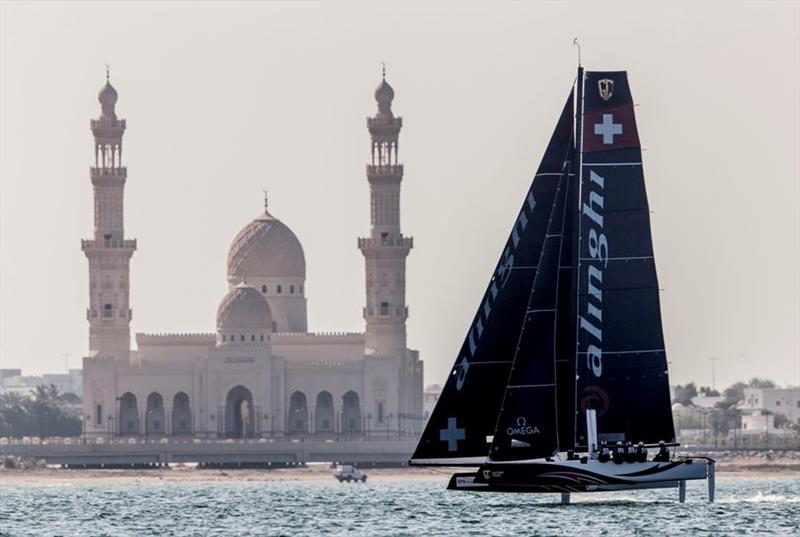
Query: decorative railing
(117, 171)
(404, 242)
(384, 169)
(88, 244)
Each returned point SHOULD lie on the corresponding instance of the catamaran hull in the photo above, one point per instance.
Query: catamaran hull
(574, 476)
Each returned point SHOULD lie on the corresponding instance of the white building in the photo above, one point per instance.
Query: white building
(260, 372)
(784, 401)
(12, 380)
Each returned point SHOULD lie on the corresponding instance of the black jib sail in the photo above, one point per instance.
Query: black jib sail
(466, 412)
(621, 362)
(527, 426)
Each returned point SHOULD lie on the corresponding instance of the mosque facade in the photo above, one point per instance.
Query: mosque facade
(261, 373)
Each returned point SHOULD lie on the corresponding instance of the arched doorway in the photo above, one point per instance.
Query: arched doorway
(181, 414)
(128, 421)
(240, 419)
(298, 413)
(351, 413)
(323, 416)
(154, 417)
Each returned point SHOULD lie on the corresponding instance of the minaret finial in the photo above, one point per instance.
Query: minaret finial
(266, 199)
(383, 70)
(108, 73)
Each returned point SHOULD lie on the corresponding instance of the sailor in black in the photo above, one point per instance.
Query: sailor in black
(641, 452)
(619, 453)
(604, 455)
(663, 453)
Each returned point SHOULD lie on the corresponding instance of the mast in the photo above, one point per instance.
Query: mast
(576, 243)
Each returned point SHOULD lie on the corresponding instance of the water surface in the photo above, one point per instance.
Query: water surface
(745, 506)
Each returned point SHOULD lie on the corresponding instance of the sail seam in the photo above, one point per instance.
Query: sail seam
(531, 385)
(619, 258)
(612, 163)
(642, 351)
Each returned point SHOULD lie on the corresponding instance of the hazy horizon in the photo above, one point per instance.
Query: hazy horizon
(223, 100)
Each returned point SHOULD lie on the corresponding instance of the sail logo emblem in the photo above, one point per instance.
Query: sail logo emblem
(598, 247)
(605, 86)
(522, 428)
(452, 434)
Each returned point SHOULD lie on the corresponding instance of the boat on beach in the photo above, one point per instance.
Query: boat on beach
(561, 384)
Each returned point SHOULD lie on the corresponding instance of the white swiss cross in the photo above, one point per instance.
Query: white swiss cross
(451, 435)
(608, 129)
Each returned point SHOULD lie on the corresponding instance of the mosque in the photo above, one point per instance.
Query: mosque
(261, 373)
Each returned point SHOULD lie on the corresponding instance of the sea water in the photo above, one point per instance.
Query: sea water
(745, 506)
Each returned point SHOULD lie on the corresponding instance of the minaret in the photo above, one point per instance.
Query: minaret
(386, 249)
(109, 254)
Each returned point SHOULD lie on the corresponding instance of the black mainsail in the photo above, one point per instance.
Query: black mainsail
(571, 320)
(620, 356)
(466, 412)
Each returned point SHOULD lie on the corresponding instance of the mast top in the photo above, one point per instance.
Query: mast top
(577, 44)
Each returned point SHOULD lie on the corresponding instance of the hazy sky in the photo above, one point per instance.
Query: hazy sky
(223, 100)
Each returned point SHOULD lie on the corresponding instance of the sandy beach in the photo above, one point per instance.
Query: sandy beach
(787, 464)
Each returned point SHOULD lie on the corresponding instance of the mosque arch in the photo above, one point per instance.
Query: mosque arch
(323, 413)
(128, 420)
(298, 413)
(240, 416)
(351, 413)
(154, 415)
(181, 414)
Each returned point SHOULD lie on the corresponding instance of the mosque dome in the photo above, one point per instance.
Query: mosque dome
(384, 93)
(244, 310)
(108, 95)
(266, 248)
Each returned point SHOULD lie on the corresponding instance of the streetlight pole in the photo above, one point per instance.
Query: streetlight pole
(713, 361)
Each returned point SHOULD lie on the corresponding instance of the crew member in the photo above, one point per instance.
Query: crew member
(630, 454)
(604, 455)
(663, 453)
(619, 453)
(641, 452)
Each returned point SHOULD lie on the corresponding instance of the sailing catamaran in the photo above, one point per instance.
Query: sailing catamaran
(565, 356)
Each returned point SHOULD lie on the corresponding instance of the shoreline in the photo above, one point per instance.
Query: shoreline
(317, 474)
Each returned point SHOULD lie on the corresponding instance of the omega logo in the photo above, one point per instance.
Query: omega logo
(522, 428)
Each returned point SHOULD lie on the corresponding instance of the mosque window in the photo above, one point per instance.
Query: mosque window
(98, 414)
(380, 411)
(301, 289)
(274, 326)
(384, 308)
(242, 338)
(262, 337)
(291, 289)
(280, 289)
(384, 237)
(223, 337)
(107, 310)
(252, 337)
(264, 289)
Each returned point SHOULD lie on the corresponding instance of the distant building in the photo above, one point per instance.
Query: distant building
(430, 396)
(707, 401)
(71, 382)
(261, 372)
(784, 401)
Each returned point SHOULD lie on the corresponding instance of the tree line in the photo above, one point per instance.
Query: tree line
(45, 412)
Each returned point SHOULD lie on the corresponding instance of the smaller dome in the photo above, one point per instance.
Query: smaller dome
(108, 95)
(244, 310)
(384, 93)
